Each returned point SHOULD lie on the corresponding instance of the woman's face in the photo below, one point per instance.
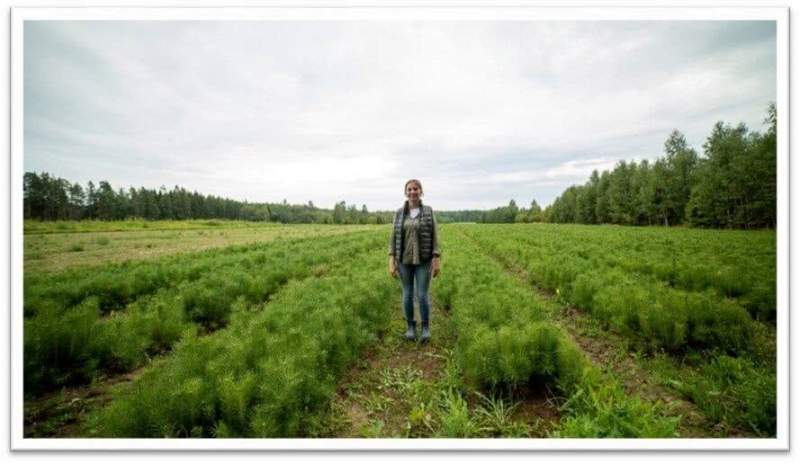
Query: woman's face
(412, 192)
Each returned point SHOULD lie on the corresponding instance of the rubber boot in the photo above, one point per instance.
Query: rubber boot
(411, 332)
(426, 333)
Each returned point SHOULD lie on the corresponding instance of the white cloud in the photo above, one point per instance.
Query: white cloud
(577, 171)
(348, 111)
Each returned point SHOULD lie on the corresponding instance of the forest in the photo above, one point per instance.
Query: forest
(51, 198)
(733, 185)
(47, 198)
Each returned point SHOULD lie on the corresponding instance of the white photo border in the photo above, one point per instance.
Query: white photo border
(430, 13)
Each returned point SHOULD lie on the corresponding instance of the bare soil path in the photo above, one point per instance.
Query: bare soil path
(614, 354)
(399, 390)
(62, 414)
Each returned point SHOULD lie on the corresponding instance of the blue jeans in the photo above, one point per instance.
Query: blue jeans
(418, 276)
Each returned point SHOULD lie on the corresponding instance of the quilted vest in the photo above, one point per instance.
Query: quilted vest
(425, 232)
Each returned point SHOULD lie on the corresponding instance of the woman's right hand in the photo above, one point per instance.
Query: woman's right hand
(393, 267)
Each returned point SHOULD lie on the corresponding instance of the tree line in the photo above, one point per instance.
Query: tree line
(512, 213)
(732, 185)
(48, 198)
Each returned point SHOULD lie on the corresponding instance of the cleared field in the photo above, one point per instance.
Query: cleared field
(58, 246)
(35, 227)
(539, 330)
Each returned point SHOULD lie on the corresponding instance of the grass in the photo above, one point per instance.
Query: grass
(295, 336)
(33, 226)
(80, 325)
(410, 390)
(114, 242)
(507, 339)
(737, 395)
(735, 400)
(266, 375)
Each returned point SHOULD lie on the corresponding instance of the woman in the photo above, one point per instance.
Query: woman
(414, 256)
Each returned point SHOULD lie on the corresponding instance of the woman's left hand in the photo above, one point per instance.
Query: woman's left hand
(436, 266)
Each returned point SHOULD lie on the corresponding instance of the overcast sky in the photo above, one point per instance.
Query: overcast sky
(481, 112)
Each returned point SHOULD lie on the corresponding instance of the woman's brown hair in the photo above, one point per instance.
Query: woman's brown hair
(419, 184)
(416, 181)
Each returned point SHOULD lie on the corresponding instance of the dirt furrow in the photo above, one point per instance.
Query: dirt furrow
(387, 392)
(400, 389)
(613, 354)
(61, 414)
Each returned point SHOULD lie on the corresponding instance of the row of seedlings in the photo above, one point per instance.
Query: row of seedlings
(77, 344)
(506, 339)
(268, 375)
(701, 330)
(659, 316)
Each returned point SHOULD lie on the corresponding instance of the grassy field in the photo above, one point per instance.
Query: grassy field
(232, 329)
(56, 246)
